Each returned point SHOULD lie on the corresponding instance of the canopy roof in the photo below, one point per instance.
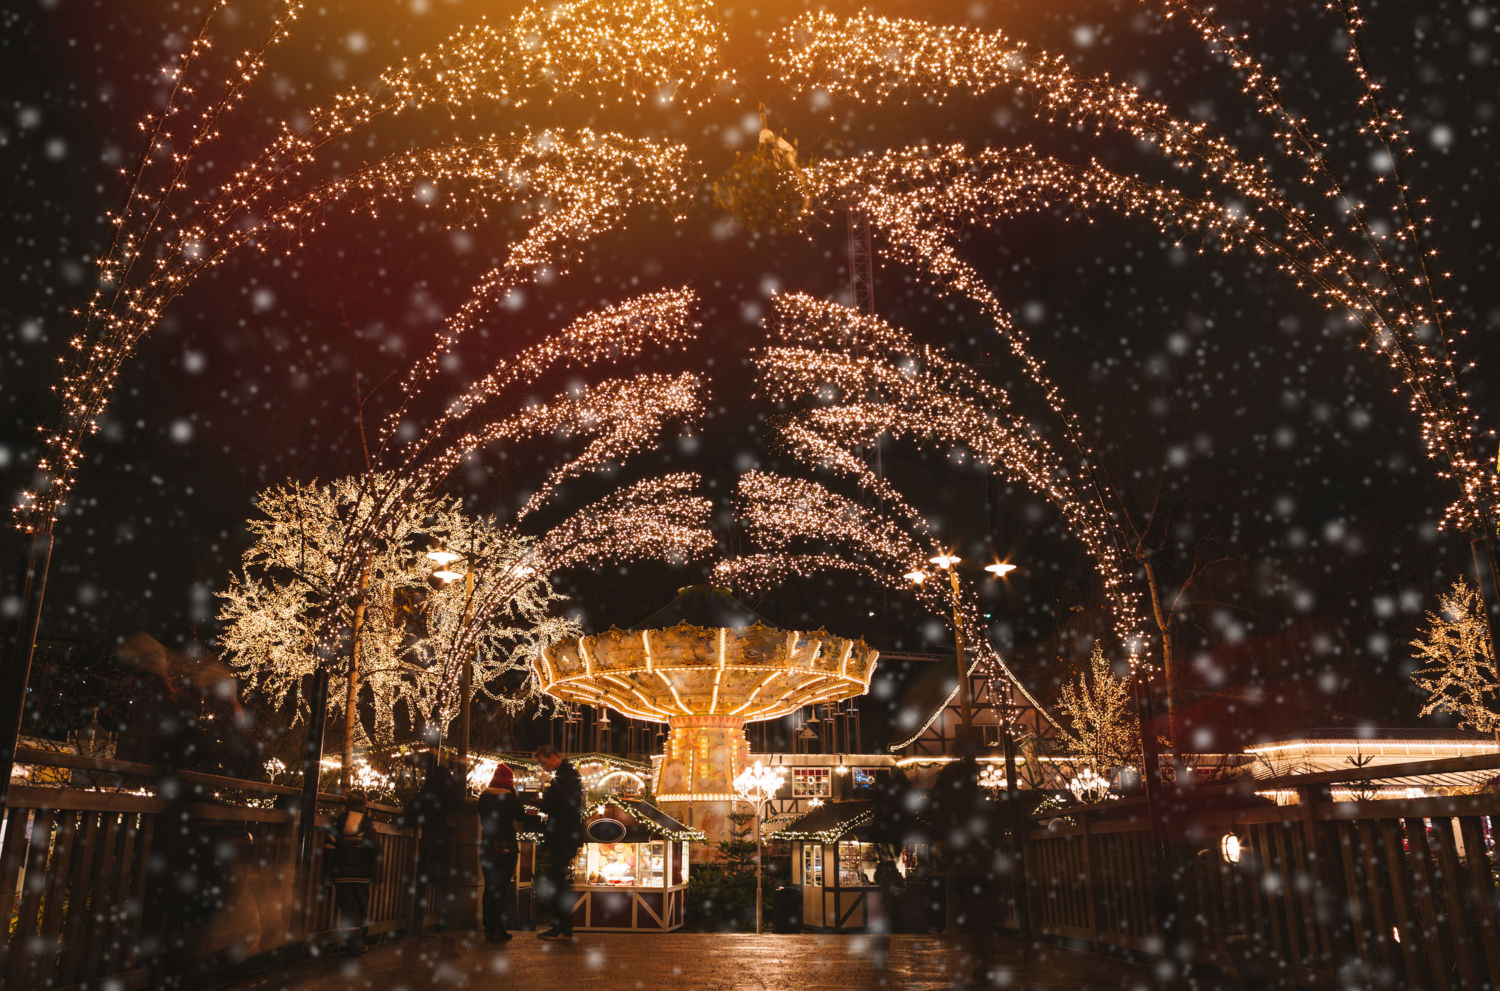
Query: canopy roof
(641, 822)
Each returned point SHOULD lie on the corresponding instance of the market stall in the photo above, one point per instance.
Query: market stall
(632, 873)
(834, 862)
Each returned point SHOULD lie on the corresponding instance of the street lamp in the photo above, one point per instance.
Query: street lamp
(445, 574)
(949, 563)
(757, 785)
(992, 779)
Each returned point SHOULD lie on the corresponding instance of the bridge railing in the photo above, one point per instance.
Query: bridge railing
(1398, 893)
(73, 871)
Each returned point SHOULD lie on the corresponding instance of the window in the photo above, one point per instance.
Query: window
(812, 864)
(863, 778)
(857, 864)
(811, 782)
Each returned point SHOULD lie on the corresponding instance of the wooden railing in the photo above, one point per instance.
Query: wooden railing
(73, 868)
(1397, 893)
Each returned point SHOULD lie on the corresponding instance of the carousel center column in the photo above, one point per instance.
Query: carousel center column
(695, 778)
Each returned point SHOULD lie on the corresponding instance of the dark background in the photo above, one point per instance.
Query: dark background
(1269, 433)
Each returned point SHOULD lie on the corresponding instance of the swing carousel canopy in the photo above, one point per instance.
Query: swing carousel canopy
(719, 659)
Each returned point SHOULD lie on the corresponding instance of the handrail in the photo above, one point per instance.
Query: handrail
(56, 758)
(1242, 787)
(1439, 765)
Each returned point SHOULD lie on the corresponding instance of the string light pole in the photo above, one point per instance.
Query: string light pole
(757, 785)
(966, 746)
(949, 562)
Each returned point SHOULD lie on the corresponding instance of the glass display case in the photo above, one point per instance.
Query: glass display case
(627, 865)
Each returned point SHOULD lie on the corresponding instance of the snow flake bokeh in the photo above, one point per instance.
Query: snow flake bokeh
(1209, 386)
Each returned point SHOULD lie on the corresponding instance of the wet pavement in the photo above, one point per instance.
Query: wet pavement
(712, 962)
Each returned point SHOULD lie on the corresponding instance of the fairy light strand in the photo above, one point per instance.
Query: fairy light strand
(1335, 247)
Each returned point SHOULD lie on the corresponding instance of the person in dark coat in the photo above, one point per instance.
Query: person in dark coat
(968, 825)
(562, 834)
(188, 868)
(351, 859)
(428, 811)
(499, 811)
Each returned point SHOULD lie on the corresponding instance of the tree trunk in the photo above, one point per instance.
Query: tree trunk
(1164, 624)
(351, 699)
(1483, 549)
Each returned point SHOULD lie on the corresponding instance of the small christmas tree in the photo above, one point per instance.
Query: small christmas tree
(1106, 732)
(739, 850)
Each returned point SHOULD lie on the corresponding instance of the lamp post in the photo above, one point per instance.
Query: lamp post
(999, 569)
(445, 574)
(756, 785)
(949, 563)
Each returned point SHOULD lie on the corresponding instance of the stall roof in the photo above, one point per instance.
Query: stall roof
(657, 822)
(829, 822)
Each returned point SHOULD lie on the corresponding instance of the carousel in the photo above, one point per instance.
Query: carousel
(706, 665)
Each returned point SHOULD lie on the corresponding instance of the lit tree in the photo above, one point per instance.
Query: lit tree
(1460, 675)
(369, 529)
(271, 609)
(1106, 733)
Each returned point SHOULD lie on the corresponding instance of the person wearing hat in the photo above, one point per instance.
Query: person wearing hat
(352, 857)
(499, 811)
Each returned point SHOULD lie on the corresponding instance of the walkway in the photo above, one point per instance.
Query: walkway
(703, 962)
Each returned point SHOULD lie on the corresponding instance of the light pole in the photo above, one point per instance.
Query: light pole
(757, 785)
(445, 574)
(949, 563)
(999, 569)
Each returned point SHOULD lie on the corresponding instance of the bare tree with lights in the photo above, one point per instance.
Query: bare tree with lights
(1459, 673)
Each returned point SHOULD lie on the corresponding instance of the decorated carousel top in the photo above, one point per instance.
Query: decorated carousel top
(719, 659)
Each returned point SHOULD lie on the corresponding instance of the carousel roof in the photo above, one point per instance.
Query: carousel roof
(703, 605)
(739, 668)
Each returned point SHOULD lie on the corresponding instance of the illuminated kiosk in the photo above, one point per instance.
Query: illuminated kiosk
(631, 874)
(705, 665)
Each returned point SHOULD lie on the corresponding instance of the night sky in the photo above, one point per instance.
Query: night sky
(1267, 431)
